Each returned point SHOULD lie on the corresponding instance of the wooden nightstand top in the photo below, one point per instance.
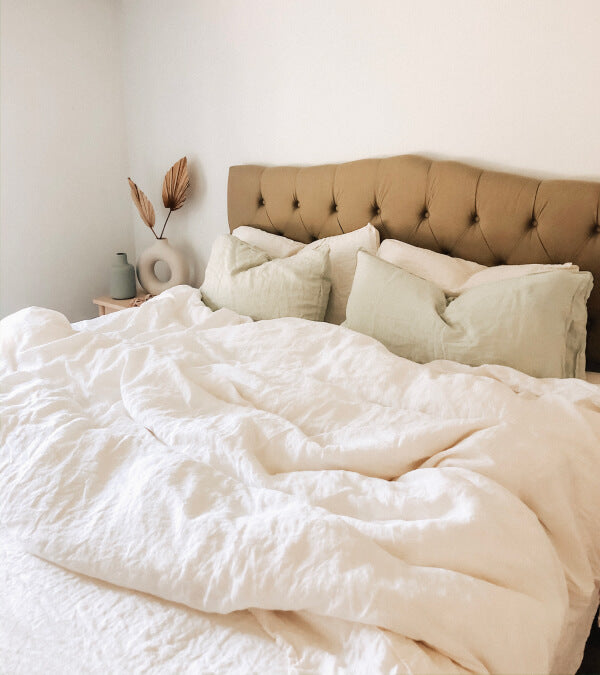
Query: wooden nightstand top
(107, 305)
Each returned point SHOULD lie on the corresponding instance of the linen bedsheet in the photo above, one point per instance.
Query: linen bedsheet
(315, 502)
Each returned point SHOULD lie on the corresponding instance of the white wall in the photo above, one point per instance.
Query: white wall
(64, 200)
(510, 85)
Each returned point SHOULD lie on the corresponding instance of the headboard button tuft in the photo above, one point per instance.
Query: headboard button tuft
(261, 201)
(475, 218)
(534, 223)
(425, 213)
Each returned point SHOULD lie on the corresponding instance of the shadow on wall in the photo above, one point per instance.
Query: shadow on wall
(197, 191)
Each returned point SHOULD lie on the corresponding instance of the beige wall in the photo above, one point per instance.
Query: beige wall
(514, 85)
(64, 203)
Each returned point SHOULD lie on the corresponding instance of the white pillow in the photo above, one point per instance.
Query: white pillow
(342, 256)
(455, 275)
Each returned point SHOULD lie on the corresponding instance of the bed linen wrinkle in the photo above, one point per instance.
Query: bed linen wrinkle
(189, 508)
(352, 415)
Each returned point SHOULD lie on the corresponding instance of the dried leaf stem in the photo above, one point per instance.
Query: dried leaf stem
(163, 229)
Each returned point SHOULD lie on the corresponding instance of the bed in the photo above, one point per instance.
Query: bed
(188, 490)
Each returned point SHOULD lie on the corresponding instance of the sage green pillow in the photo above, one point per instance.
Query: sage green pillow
(535, 323)
(247, 280)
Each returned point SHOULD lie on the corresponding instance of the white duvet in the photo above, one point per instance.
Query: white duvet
(312, 502)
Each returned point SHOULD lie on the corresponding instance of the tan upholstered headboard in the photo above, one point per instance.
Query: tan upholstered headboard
(485, 216)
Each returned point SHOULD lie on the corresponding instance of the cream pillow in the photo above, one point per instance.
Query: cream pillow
(455, 275)
(245, 279)
(342, 255)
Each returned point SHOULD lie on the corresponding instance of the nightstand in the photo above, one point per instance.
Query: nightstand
(107, 305)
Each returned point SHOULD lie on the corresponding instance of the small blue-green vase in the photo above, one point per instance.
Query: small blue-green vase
(122, 279)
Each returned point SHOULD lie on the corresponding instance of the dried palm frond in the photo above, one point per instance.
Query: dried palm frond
(143, 204)
(175, 184)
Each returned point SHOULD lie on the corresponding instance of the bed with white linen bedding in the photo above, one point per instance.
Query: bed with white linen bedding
(214, 494)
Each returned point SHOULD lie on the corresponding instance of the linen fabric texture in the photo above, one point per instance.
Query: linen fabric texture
(247, 280)
(534, 323)
(319, 504)
(342, 255)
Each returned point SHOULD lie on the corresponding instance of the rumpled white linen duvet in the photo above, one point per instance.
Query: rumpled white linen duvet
(312, 502)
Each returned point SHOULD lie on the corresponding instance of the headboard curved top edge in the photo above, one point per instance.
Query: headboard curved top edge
(491, 217)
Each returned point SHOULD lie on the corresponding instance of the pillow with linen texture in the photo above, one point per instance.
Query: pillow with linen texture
(534, 323)
(247, 280)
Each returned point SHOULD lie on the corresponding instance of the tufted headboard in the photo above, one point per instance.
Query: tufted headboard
(486, 216)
